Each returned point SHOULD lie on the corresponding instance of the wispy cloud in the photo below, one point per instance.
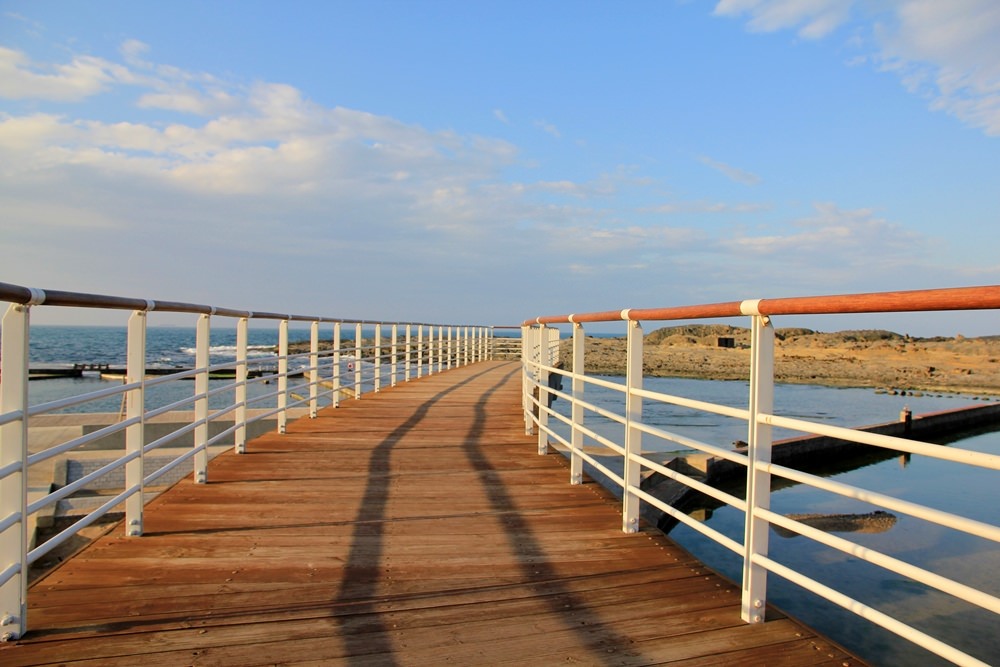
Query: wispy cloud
(83, 77)
(946, 52)
(548, 128)
(265, 178)
(732, 173)
(834, 236)
(673, 208)
(501, 116)
(813, 18)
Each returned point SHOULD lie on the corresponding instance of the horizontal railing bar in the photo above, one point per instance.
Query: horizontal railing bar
(942, 518)
(72, 530)
(986, 297)
(51, 452)
(715, 408)
(692, 483)
(79, 399)
(81, 483)
(25, 295)
(694, 524)
(874, 615)
(9, 521)
(691, 443)
(601, 440)
(10, 469)
(170, 437)
(10, 572)
(953, 454)
(11, 417)
(943, 584)
(167, 467)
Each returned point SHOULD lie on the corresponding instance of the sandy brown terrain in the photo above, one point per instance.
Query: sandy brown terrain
(878, 359)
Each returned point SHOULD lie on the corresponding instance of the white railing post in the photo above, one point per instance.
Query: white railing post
(282, 376)
(448, 349)
(394, 349)
(431, 351)
(758, 479)
(440, 342)
(378, 357)
(336, 364)
(544, 358)
(527, 375)
(576, 436)
(202, 344)
(313, 369)
(633, 436)
(408, 358)
(420, 350)
(135, 407)
(14, 487)
(358, 344)
(240, 415)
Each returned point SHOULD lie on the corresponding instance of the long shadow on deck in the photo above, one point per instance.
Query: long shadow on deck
(369, 523)
(362, 559)
(522, 540)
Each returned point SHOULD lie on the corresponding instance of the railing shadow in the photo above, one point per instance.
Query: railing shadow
(522, 540)
(369, 536)
(368, 541)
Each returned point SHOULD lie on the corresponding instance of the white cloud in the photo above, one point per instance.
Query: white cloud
(734, 174)
(708, 207)
(944, 50)
(548, 128)
(950, 54)
(83, 77)
(261, 188)
(835, 236)
(501, 116)
(815, 18)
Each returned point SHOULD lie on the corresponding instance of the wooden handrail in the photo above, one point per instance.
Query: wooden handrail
(26, 295)
(956, 298)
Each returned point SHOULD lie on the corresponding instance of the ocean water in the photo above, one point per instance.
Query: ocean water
(167, 347)
(963, 490)
(969, 492)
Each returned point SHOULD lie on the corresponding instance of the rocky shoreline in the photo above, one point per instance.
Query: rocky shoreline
(882, 360)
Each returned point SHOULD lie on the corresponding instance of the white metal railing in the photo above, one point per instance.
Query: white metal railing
(506, 346)
(541, 364)
(393, 352)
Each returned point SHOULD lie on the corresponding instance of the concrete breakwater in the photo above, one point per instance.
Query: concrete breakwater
(820, 454)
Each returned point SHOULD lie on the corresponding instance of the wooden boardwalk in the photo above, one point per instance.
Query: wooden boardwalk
(416, 526)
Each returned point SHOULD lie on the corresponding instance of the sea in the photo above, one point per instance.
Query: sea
(167, 347)
(971, 492)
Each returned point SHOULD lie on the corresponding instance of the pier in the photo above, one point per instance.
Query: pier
(441, 505)
(415, 526)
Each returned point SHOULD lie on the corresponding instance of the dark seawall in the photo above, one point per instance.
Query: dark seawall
(812, 453)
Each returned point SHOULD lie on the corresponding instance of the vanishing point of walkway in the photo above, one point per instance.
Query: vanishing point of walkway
(416, 526)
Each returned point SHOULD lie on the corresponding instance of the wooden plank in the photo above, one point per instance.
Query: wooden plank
(413, 526)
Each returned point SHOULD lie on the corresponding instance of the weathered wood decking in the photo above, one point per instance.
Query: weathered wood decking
(415, 526)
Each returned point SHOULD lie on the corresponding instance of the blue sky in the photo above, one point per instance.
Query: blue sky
(492, 161)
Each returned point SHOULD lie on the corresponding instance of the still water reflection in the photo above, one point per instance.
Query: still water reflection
(964, 490)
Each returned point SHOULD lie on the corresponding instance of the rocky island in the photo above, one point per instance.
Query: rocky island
(879, 359)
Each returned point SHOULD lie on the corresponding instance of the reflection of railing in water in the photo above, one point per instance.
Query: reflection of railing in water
(540, 357)
(397, 352)
(824, 456)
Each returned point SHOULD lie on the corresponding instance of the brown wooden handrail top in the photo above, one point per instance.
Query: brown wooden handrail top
(985, 297)
(33, 296)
